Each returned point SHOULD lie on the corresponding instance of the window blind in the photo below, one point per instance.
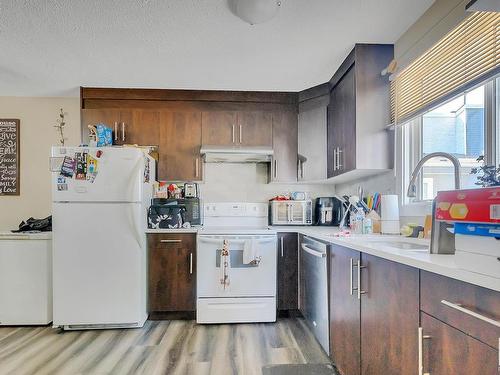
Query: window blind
(465, 56)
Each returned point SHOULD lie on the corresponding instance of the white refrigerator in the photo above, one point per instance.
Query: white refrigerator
(100, 198)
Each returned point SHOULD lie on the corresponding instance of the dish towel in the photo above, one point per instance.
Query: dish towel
(251, 252)
(225, 264)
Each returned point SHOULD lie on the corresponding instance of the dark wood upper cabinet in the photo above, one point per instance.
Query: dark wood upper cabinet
(172, 267)
(342, 130)
(140, 127)
(288, 263)
(180, 142)
(219, 128)
(255, 128)
(345, 311)
(130, 126)
(237, 128)
(285, 144)
(447, 351)
(358, 114)
(389, 317)
(106, 116)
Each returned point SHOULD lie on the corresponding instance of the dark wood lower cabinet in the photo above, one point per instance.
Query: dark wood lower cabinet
(389, 317)
(345, 339)
(376, 331)
(448, 351)
(288, 261)
(172, 278)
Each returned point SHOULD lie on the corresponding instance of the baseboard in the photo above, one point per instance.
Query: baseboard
(172, 315)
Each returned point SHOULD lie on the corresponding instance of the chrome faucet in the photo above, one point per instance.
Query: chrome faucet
(442, 236)
(412, 188)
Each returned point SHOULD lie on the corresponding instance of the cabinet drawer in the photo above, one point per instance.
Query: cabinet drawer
(446, 350)
(469, 308)
(170, 240)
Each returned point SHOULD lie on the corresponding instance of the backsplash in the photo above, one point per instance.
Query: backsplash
(226, 182)
(384, 183)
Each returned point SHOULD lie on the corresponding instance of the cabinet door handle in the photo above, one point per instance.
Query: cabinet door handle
(232, 134)
(197, 167)
(458, 307)
(171, 241)
(275, 168)
(123, 131)
(335, 159)
(282, 246)
(116, 130)
(360, 267)
(421, 338)
(351, 282)
(241, 134)
(190, 263)
(339, 159)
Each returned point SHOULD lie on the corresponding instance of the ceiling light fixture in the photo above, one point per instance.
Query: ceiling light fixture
(255, 11)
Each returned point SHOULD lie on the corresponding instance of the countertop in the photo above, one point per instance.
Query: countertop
(377, 245)
(25, 236)
(177, 230)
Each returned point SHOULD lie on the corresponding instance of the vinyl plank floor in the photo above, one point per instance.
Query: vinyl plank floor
(177, 347)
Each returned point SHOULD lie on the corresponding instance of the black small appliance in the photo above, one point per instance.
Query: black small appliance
(328, 211)
(173, 213)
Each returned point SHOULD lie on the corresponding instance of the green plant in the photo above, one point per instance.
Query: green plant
(488, 175)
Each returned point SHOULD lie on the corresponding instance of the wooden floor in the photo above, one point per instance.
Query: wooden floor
(161, 347)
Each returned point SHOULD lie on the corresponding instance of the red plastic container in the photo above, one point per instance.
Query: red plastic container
(470, 206)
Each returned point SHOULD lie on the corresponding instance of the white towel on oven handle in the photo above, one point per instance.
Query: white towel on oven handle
(251, 252)
(224, 269)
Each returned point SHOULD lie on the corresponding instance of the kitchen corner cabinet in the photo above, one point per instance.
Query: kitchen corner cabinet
(171, 275)
(180, 143)
(312, 146)
(237, 128)
(374, 314)
(358, 114)
(283, 166)
(288, 263)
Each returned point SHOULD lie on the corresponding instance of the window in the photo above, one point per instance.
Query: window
(463, 127)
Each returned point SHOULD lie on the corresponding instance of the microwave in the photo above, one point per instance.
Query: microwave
(291, 212)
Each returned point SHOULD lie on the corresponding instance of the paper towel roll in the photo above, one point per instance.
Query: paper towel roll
(389, 207)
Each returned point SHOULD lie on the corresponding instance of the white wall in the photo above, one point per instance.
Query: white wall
(38, 117)
(248, 183)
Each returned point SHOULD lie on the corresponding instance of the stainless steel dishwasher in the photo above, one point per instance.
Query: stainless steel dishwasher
(313, 289)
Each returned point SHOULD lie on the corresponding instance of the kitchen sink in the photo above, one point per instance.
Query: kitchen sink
(404, 245)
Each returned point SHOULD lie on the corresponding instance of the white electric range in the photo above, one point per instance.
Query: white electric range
(236, 264)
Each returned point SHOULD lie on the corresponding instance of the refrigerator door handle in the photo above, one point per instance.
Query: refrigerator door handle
(133, 179)
(136, 227)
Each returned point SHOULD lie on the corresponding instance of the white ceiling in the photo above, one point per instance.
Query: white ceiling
(51, 47)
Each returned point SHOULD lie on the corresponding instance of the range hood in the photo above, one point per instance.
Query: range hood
(229, 154)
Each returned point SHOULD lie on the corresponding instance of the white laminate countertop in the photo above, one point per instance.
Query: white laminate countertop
(377, 245)
(176, 230)
(26, 236)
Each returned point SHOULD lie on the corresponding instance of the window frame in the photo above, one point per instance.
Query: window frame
(408, 153)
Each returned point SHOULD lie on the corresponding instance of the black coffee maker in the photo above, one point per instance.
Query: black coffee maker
(328, 211)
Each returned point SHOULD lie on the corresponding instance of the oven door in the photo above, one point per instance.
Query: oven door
(245, 280)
